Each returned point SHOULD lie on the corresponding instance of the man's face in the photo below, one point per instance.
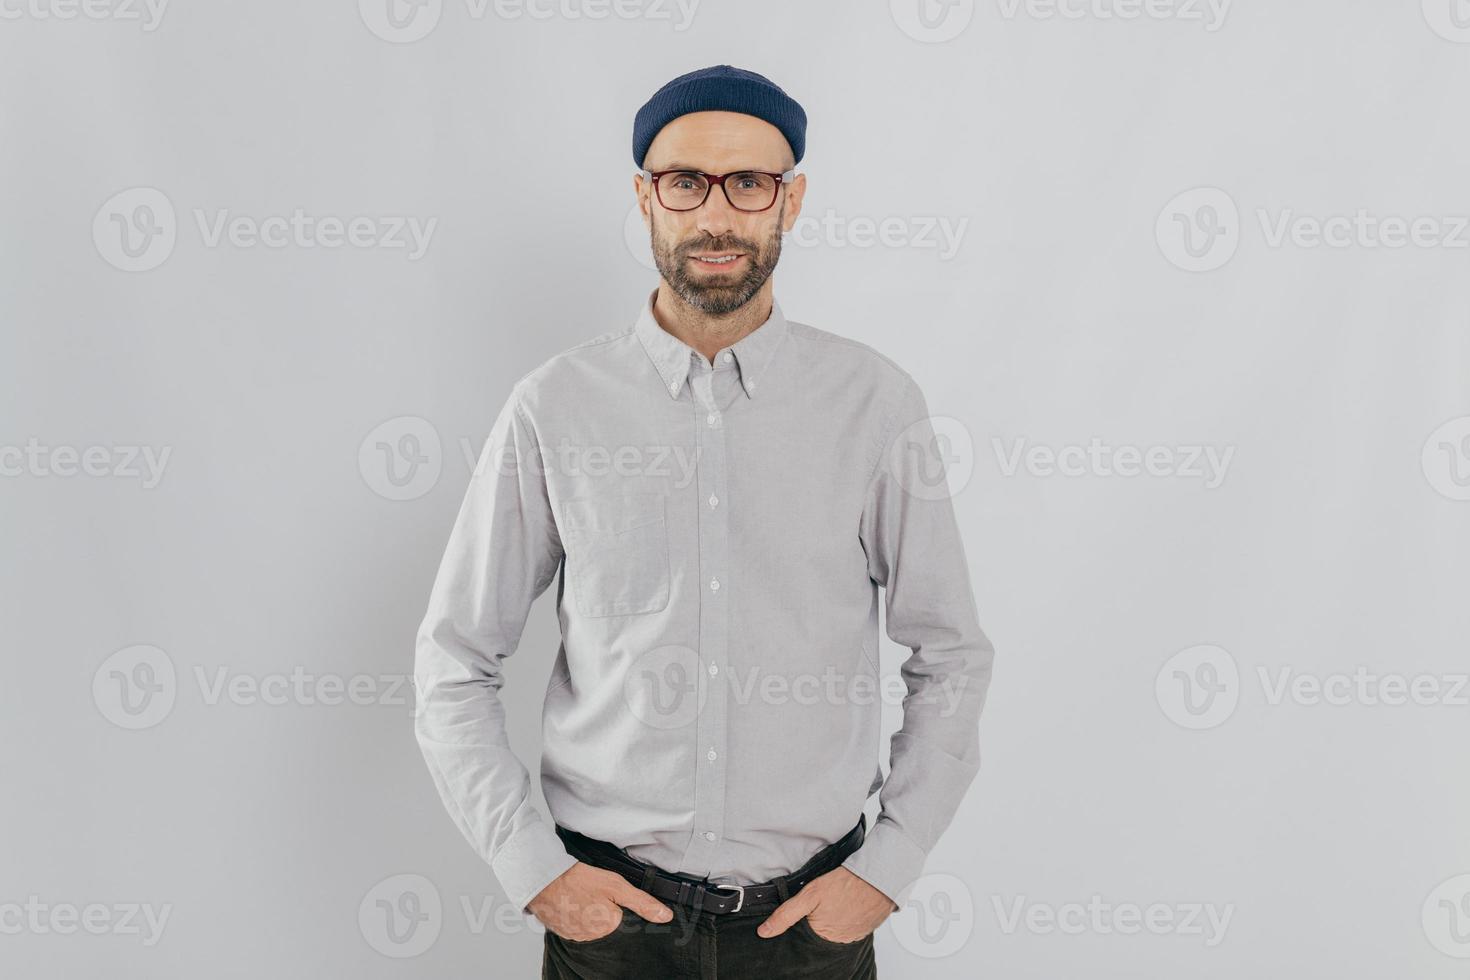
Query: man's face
(684, 241)
(709, 287)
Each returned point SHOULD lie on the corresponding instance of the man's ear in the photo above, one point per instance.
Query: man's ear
(643, 201)
(795, 191)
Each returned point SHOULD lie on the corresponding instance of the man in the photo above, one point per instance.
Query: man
(723, 492)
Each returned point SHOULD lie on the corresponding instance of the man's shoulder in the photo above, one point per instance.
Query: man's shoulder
(573, 364)
(852, 357)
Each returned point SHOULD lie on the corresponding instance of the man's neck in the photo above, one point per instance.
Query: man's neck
(705, 333)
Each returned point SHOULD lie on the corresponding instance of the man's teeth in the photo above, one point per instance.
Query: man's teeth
(720, 261)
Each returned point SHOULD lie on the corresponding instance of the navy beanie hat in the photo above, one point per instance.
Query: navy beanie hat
(720, 88)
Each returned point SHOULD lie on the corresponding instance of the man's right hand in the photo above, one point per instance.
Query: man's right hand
(586, 903)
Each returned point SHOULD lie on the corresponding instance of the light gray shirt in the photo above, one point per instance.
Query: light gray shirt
(719, 534)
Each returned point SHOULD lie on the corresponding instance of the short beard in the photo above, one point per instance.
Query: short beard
(722, 298)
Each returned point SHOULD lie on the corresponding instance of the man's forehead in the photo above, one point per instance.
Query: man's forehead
(711, 140)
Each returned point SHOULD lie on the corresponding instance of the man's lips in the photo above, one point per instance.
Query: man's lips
(717, 260)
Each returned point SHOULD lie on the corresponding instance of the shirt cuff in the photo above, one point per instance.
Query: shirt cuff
(529, 861)
(888, 861)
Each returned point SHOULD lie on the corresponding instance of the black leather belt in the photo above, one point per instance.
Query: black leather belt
(701, 894)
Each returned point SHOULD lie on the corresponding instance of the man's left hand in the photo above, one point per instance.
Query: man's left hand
(839, 906)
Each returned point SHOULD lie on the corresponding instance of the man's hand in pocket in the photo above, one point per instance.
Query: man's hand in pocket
(839, 906)
(586, 903)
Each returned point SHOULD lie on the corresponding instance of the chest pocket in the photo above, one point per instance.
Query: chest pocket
(617, 553)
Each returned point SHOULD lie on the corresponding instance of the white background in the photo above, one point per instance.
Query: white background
(1056, 141)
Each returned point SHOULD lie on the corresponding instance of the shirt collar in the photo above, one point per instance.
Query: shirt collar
(671, 356)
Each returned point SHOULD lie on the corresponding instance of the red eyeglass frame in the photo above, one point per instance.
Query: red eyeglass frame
(782, 178)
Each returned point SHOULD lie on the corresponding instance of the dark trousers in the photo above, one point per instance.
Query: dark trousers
(704, 946)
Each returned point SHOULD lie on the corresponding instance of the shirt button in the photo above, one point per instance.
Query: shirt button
(711, 755)
(750, 385)
(714, 501)
(673, 386)
(709, 835)
(714, 585)
(711, 417)
(714, 669)
(727, 355)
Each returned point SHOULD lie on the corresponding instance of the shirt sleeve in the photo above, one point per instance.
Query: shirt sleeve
(503, 551)
(914, 552)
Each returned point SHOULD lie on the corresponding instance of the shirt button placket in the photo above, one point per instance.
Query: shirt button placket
(714, 621)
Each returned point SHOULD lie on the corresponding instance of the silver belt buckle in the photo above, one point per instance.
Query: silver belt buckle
(740, 892)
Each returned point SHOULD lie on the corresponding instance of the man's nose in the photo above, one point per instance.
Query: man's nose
(716, 216)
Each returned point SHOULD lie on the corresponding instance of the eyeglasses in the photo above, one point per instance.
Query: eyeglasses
(746, 190)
